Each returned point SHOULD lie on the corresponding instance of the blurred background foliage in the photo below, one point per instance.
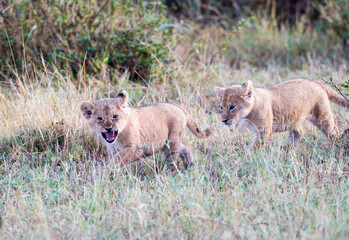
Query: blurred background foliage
(72, 34)
(114, 36)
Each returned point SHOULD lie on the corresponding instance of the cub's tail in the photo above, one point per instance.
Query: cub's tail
(334, 96)
(193, 126)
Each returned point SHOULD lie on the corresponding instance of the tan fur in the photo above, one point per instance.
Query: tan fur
(143, 131)
(282, 107)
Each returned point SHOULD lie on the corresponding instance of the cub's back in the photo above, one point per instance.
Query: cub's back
(160, 114)
(298, 90)
(296, 98)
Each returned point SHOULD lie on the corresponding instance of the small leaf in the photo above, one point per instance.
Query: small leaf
(30, 33)
(105, 60)
(166, 26)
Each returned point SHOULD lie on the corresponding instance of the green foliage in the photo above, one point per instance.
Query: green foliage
(118, 34)
(335, 18)
(106, 37)
(342, 88)
(331, 17)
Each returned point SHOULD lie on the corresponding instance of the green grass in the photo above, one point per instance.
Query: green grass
(54, 184)
(270, 194)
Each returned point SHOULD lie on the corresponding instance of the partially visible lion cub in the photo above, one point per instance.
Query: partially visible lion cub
(282, 107)
(131, 133)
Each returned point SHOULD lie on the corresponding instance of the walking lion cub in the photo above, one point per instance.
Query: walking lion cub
(132, 133)
(282, 107)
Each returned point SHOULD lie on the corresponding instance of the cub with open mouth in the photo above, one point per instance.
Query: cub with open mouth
(132, 133)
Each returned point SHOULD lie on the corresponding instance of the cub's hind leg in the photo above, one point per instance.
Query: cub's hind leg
(294, 136)
(171, 152)
(322, 118)
(186, 155)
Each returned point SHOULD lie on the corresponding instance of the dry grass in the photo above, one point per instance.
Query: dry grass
(53, 183)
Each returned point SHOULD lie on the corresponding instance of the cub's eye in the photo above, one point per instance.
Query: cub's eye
(221, 108)
(115, 116)
(231, 108)
(100, 118)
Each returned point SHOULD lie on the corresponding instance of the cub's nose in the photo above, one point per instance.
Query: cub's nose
(225, 121)
(108, 129)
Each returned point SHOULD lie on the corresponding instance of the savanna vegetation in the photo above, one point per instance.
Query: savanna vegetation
(53, 179)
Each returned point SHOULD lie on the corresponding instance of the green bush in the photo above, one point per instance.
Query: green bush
(118, 34)
(335, 18)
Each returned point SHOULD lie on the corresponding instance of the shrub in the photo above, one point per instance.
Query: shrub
(118, 34)
(335, 18)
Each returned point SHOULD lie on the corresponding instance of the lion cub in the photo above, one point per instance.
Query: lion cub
(282, 107)
(131, 133)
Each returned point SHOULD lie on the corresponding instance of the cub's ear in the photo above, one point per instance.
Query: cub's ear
(86, 109)
(219, 91)
(122, 98)
(247, 89)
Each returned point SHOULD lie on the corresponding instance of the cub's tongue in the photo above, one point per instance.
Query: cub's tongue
(110, 136)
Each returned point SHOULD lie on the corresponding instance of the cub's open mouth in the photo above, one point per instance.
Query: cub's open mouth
(110, 136)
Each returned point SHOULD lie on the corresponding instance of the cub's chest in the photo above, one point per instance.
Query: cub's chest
(114, 147)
